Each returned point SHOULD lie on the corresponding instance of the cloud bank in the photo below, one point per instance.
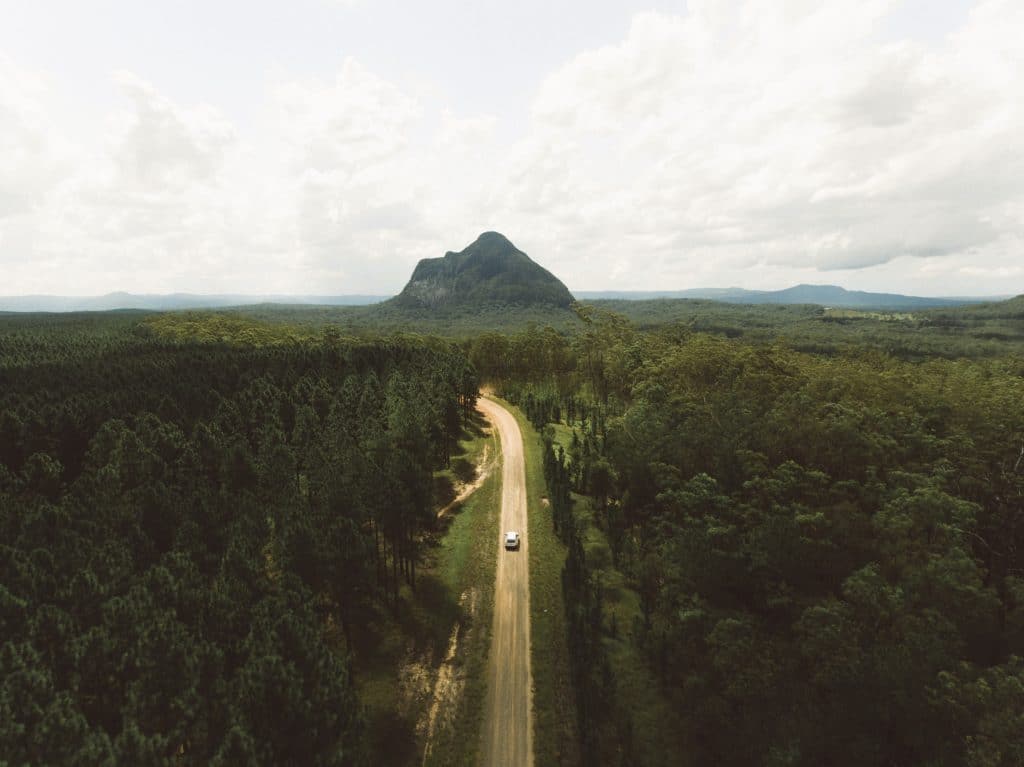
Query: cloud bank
(758, 143)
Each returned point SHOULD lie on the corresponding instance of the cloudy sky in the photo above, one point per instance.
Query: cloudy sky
(324, 146)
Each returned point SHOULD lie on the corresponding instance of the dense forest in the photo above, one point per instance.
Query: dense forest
(189, 528)
(791, 536)
(822, 554)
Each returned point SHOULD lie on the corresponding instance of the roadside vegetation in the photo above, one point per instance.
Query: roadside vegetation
(425, 663)
(774, 535)
(194, 533)
(658, 735)
(808, 549)
(464, 562)
(555, 738)
(981, 330)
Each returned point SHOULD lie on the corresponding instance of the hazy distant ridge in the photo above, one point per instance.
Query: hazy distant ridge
(168, 302)
(825, 295)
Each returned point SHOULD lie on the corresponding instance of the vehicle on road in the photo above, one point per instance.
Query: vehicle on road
(511, 540)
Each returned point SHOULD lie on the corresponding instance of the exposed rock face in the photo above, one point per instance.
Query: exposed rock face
(491, 271)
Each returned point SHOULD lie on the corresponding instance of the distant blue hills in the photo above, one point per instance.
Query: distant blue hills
(168, 302)
(823, 295)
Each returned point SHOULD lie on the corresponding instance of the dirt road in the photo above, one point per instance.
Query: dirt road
(508, 718)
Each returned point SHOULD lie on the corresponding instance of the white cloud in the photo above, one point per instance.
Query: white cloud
(350, 125)
(160, 146)
(760, 142)
(152, 201)
(781, 134)
(31, 155)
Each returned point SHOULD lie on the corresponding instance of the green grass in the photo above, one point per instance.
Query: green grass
(554, 709)
(465, 563)
(465, 461)
(462, 557)
(459, 557)
(660, 735)
(562, 435)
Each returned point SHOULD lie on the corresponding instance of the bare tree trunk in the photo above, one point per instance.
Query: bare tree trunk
(394, 568)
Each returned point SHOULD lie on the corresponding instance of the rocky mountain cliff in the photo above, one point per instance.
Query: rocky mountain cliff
(489, 272)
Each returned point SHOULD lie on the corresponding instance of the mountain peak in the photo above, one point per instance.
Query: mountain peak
(496, 238)
(490, 271)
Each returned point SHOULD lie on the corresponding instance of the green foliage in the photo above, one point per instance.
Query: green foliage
(825, 547)
(605, 734)
(815, 517)
(556, 739)
(185, 516)
(225, 328)
(983, 330)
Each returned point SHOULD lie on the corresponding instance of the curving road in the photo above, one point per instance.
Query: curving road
(508, 718)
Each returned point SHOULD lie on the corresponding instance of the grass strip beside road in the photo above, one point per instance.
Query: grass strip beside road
(400, 650)
(661, 736)
(465, 562)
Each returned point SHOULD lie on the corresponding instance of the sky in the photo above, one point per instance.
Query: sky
(325, 146)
